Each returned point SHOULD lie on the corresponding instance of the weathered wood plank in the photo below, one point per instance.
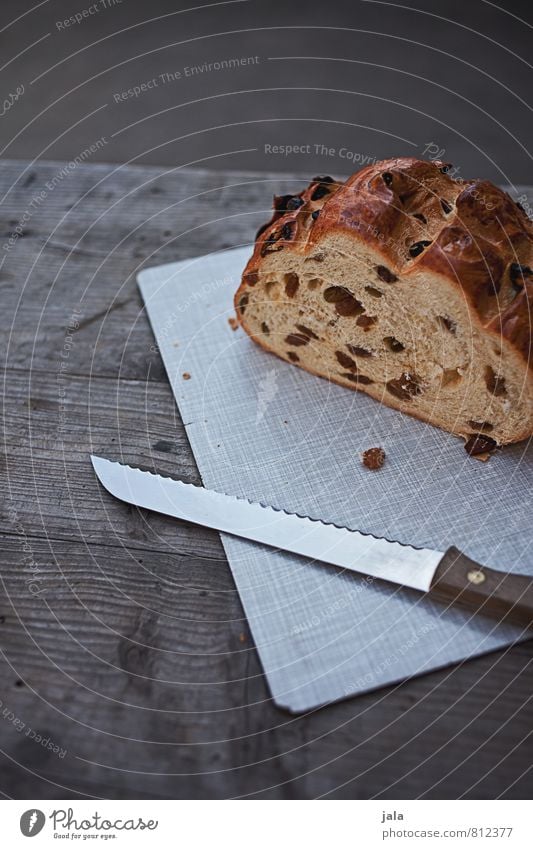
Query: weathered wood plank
(84, 244)
(51, 429)
(114, 652)
(139, 668)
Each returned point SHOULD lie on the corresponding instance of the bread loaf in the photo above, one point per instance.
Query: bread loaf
(409, 285)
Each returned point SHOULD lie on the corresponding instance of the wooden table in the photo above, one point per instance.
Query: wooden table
(123, 640)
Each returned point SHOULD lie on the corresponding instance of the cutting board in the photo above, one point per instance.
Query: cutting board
(264, 429)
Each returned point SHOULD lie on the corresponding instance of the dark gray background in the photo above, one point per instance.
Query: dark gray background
(376, 78)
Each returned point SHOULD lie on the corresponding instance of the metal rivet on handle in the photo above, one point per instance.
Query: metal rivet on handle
(476, 576)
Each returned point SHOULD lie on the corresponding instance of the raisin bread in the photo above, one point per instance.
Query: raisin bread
(409, 285)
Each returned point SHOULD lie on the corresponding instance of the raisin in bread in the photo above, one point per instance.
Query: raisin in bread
(409, 285)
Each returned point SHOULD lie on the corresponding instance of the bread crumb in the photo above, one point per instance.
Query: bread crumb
(233, 323)
(373, 458)
(186, 375)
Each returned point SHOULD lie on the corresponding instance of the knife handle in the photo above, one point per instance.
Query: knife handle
(460, 580)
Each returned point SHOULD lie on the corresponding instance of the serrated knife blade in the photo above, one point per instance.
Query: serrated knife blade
(451, 577)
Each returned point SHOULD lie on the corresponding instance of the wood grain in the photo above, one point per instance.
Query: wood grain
(466, 583)
(123, 641)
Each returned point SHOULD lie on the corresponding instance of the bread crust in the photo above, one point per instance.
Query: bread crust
(483, 246)
(417, 219)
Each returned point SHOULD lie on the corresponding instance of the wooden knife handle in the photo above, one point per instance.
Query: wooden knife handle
(460, 580)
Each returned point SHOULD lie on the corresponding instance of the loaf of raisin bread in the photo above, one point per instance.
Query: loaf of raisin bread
(409, 285)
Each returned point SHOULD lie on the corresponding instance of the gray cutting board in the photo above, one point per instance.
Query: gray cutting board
(264, 429)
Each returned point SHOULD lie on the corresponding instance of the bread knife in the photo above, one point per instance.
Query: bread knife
(449, 577)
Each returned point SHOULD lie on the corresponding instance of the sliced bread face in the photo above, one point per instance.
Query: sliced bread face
(380, 285)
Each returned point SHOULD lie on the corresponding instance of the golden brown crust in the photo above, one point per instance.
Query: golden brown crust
(420, 219)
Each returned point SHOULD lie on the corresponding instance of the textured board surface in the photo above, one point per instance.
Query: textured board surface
(262, 428)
